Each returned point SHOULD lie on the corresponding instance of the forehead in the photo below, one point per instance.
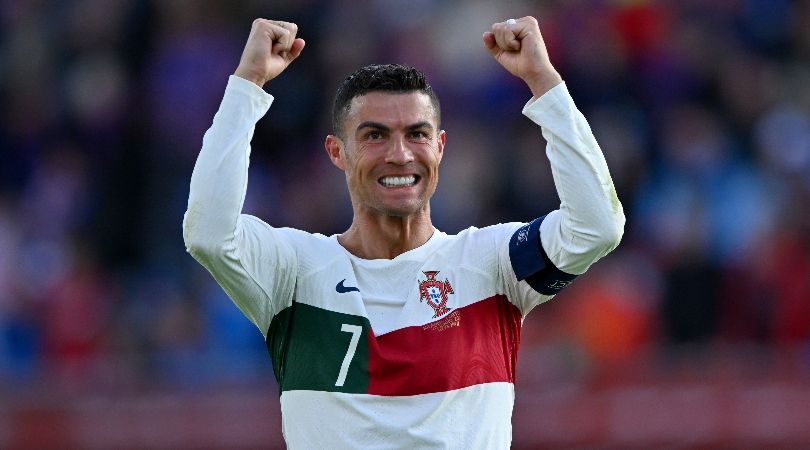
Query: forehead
(391, 108)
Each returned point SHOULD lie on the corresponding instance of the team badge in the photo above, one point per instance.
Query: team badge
(434, 292)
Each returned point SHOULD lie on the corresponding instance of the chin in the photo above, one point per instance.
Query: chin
(400, 210)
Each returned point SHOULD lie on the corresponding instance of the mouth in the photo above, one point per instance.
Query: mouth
(399, 181)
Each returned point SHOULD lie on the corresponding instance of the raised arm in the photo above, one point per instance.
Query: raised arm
(590, 220)
(219, 180)
(247, 257)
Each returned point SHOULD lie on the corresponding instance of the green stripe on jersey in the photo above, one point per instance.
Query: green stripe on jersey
(320, 350)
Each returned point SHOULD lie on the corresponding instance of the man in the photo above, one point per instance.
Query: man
(394, 334)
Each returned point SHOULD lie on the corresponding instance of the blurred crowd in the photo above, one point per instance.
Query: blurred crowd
(702, 108)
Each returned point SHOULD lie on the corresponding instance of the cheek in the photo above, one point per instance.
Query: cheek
(357, 169)
(435, 160)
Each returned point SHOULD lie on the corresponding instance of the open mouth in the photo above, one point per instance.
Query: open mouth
(399, 181)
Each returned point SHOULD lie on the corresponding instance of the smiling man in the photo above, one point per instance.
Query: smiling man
(394, 334)
(388, 142)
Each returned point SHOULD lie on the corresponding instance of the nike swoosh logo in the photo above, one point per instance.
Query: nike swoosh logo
(341, 289)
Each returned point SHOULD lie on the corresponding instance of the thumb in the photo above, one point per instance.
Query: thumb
(296, 48)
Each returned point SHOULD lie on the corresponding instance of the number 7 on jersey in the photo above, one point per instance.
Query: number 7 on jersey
(356, 331)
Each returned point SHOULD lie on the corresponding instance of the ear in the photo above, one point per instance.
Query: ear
(442, 141)
(334, 148)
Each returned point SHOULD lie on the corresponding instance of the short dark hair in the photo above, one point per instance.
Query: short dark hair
(395, 78)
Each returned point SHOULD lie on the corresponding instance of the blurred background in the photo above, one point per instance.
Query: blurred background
(694, 333)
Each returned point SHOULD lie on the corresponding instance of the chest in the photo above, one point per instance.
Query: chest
(396, 295)
(395, 329)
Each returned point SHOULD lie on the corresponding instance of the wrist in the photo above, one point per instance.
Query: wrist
(251, 76)
(542, 82)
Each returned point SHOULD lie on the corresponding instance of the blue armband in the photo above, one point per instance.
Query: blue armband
(531, 263)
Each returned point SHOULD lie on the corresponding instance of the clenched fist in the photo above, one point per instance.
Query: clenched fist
(520, 49)
(270, 48)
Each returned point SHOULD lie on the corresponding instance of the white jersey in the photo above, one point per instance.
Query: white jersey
(413, 352)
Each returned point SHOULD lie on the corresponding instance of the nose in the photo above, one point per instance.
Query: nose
(399, 153)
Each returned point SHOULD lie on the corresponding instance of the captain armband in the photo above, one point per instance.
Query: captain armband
(531, 263)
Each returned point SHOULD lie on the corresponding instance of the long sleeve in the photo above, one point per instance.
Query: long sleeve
(590, 220)
(219, 180)
(252, 261)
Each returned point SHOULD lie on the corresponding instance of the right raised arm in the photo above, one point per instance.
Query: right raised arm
(219, 180)
(239, 249)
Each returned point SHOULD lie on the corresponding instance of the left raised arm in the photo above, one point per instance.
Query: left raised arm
(590, 220)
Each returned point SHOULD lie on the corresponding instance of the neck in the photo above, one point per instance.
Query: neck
(379, 236)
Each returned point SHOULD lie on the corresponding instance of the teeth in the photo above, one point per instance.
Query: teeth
(398, 181)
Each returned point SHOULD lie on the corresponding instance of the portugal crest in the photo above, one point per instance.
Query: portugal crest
(434, 292)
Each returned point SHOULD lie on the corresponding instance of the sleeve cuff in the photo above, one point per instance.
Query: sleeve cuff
(243, 86)
(537, 107)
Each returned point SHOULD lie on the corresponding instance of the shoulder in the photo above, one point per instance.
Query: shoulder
(481, 245)
(306, 242)
(298, 241)
(291, 234)
(489, 234)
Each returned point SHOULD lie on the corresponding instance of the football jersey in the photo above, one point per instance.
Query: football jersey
(418, 351)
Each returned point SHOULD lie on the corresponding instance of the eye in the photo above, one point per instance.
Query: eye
(419, 135)
(374, 135)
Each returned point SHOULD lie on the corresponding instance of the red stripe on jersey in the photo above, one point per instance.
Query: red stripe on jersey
(471, 345)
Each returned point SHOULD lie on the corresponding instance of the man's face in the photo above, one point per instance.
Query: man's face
(391, 152)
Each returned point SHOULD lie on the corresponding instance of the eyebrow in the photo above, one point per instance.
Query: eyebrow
(379, 126)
